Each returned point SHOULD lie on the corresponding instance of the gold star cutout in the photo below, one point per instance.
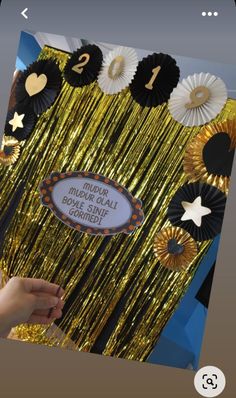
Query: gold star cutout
(195, 211)
(16, 122)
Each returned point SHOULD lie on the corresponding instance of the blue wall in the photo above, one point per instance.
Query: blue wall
(28, 51)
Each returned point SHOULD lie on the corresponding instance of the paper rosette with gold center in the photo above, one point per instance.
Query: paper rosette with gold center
(198, 99)
(209, 155)
(10, 151)
(175, 248)
(118, 70)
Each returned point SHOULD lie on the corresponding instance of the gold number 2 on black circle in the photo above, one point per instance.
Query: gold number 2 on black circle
(84, 58)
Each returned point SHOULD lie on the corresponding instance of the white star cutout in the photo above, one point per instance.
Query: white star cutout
(16, 122)
(194, 211)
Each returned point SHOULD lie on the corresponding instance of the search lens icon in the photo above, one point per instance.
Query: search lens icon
(210, 381)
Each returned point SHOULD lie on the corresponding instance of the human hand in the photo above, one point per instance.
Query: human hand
(28, 300)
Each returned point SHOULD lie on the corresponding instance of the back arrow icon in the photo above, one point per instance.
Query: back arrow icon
(24, 13)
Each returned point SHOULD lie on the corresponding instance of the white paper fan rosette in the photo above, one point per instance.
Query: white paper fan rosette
(118, 70)
(197, 99)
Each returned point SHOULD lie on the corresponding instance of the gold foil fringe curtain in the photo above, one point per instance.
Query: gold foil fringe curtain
(143, 150)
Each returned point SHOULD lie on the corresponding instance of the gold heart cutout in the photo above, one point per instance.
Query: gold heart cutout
(34, 83)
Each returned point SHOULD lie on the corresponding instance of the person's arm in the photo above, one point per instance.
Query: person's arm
(26, 300)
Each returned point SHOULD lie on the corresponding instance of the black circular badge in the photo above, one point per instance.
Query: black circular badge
(156, 77)
(199, 209)
(20, 122)
(83, 66)
(218, 156)
(39, 85)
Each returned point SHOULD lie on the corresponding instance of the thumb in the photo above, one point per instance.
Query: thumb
(45, 302)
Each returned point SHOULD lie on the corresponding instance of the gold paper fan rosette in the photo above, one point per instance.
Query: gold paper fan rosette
(175, 248)
(10, 151)
(194, 164)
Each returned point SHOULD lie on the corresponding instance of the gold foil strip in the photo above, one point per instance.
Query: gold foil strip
(143, 150)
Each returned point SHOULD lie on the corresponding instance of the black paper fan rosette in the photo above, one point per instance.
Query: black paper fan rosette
(39, 85)
(209, 155)
(156, 77)
(209, 202)
(83, 66)
(20, 122)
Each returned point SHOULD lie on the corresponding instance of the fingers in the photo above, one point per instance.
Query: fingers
(45, 302)
(55, 314)
(40, 285)
(46, 295)
(40, 320)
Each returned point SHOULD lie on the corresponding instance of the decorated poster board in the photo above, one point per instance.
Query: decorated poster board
(114, 179)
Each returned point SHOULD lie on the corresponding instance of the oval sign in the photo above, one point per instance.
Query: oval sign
(91, 203)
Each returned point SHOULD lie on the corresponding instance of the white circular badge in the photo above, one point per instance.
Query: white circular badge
(209, 381)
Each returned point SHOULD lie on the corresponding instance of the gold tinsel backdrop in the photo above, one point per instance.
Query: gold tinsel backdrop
(118, 296)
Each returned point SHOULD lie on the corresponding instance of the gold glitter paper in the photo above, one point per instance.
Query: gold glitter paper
(141, 149)
(176, 262)
(194, 165)
(10, 151)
